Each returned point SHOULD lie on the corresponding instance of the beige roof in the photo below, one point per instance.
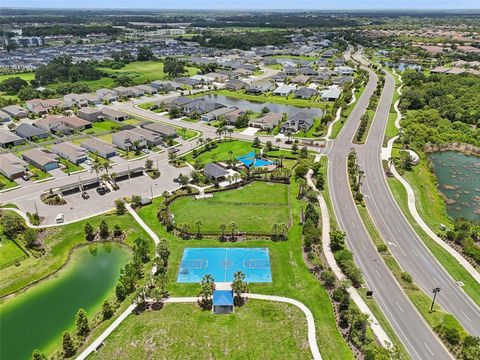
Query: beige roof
(71, 151)
(40, 156)
(10, 164)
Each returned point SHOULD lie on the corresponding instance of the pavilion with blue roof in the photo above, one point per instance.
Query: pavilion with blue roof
(223, 302)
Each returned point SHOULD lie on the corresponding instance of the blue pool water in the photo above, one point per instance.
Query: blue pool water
(250, 159)
(222, 263)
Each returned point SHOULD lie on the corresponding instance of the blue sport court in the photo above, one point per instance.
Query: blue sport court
(222, 263)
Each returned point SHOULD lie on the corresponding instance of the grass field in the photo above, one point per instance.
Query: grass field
(221, 152)
(59, 242)
(291, 278)
(9, 251)
(254, 208)
(144, 72)
(183, 331)
(27, 76)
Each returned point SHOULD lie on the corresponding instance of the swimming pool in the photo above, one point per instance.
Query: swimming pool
(222, 263)
(250, 159)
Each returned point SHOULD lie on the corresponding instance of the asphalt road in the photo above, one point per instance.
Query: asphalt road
(412, 330)
(403, 242)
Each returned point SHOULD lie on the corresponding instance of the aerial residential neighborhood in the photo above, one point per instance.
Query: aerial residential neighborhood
(250, 181)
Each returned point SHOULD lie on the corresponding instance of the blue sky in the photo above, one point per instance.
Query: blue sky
(247, 4)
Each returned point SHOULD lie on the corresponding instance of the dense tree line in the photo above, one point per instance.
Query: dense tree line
(75, 30)
(63, 69)
(243, 41)
(441, 109)
(466, 233)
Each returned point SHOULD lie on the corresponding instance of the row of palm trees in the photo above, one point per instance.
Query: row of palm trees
(99, 165)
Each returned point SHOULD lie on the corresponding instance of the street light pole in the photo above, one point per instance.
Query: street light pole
(435, 291)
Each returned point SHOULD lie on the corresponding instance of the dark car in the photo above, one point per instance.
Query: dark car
(85, 195)
(101, 191)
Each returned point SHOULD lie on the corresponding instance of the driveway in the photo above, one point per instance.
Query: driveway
(250, 131)
(57, 173)
(118, 159)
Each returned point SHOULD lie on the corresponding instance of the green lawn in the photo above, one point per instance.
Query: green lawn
(59, 241)
(27, 76)
(38, 174)
(337, 127)
(144, 72)
(291, 278)
(254, 208)
(183, 331)
(221, 152)
(69, 166)
(102, 126)
(6, 183)
(9, 251)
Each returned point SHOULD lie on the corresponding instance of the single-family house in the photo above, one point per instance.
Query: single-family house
(136, 92)
(41, 159)
(90, 114)
(29, 132)
(284, 90)
(341, 80)
(107, 95)
(92, 99)
(344, 70)
(300, 79)
(71, 152)
(235, 85)
(8, 139)
(215, 172)
(123, 92)
(129, 140)
(200, 106)
(147, 89)
(217, 114)
(77, 100)
(204, 79)
(305, 93)
(300, 121)
(4, 117)
(62, 124)
(188, 81)
(232, 116)
(179, 102)
(163, 130)
(165, 86)
(218, 76)
(260, 87)
(99, 147)
(152, 138)
(40, 106)
(307, 70)
(242, 72)
(12, 167)
(114, 115)
(267, 121)
(330, 94)
(290, 70)
(15, 111)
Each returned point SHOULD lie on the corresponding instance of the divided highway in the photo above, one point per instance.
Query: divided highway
(415, 334)
(406, 246)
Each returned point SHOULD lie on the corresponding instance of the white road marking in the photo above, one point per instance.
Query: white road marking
(466, 316)
(399, 307)
(378, 272)
(353, 224)
(428, 348)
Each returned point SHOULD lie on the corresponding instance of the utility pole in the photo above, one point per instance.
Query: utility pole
(151, 191)
(435, 291)
(36, 209)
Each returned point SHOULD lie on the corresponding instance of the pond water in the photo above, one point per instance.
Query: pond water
(38, 317)
(459, 180)
(257, 106)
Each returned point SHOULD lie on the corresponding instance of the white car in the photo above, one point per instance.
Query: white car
(60, 218)
(88, 162)
(146, 151)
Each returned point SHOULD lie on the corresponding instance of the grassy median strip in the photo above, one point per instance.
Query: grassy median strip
(338, 126)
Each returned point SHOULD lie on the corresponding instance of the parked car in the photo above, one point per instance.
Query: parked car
(26, 177)
(60, 218)
(85, 195)
(101, 191)
(88, 162)
(146, 151)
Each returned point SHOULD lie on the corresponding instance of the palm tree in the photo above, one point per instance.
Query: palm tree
(200, 141)
(198, 224)
(278, 141)
(219, 131)
(96, 167)
(104, 177)
(390, 163)
(275, 228)
(136, 144)
(230, 155)
(233, 227)
(284, 229)
(222, 228)
(230, 131)
(302, 183)
(280, 157)
(106, 166)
